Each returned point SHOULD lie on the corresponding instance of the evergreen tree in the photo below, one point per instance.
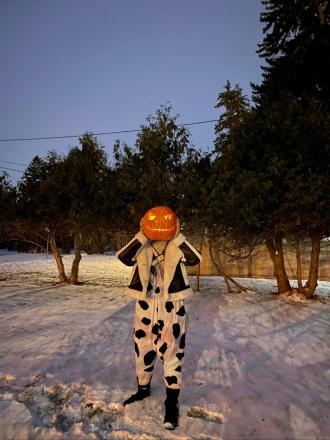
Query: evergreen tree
(192, 208)
(87, 174)
(63, 196)
(296, 48)
(127, 199)
(296, 88)
(42, 192)
(247, 192)
(43, 203)
(235, 105)
(163, 147)
(87, 171)
(7, 205)
(151, 173)
(274, 182)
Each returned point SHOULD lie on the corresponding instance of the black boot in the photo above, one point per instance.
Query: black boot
(171, 408)
(142, 392)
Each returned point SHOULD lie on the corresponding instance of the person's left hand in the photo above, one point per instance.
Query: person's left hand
(178, 227)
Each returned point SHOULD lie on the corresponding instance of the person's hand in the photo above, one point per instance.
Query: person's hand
(178, 227)
(142, 227)
(141, 224)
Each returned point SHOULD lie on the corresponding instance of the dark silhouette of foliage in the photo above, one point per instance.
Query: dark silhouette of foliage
(7, 204)
(235, 105)
(151, 173)
(296, 48)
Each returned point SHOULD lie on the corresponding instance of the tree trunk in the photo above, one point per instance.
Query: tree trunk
(275, 249)
(320, 12)
(224, 275)
(58, 257)
(229, 290)
(199, 266)
(311, 283)
(298, 258)
(77, 257)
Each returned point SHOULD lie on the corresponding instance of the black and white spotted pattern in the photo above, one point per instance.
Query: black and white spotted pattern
(160, 329)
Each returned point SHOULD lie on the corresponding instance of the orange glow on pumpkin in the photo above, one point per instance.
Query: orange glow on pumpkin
(159, 223)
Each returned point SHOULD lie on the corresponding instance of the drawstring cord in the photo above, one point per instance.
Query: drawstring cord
(159, 261)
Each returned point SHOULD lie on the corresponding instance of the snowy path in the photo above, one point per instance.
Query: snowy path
(256, 366)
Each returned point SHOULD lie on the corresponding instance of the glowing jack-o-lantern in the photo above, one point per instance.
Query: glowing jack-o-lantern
(159, 223)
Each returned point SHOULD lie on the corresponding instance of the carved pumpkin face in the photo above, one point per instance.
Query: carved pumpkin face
(159, 223)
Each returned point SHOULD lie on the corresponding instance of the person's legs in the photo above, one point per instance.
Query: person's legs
(144, 335)
(171, 403)
(170, 348)
(172, 342)
(145, 353)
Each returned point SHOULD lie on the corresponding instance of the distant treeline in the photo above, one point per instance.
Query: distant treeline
(266, 178)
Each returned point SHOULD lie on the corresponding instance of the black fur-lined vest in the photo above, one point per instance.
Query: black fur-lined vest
(139, 253)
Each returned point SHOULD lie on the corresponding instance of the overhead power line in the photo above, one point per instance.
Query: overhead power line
(97, 134)
(14, 163)
(11, 169)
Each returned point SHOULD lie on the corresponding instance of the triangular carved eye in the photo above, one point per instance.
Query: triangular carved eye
(152, 216)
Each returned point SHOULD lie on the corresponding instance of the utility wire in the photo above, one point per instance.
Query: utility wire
(97, 134)
(14, 163)
(12, 169)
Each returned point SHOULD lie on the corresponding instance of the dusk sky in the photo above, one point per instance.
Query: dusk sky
(70, 66)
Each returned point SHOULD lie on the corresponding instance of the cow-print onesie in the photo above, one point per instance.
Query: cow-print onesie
(159, 329)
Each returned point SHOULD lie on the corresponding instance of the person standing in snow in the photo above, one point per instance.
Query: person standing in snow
(159, 254)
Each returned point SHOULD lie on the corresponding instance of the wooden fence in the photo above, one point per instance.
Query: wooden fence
(259, 265)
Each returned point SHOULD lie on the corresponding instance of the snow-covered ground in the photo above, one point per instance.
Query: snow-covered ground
(256, 366)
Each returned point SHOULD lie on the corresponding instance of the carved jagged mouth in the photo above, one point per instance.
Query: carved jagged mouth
(162, 229)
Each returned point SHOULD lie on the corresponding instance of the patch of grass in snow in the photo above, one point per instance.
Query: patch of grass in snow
(124, 435)
(201, 413)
